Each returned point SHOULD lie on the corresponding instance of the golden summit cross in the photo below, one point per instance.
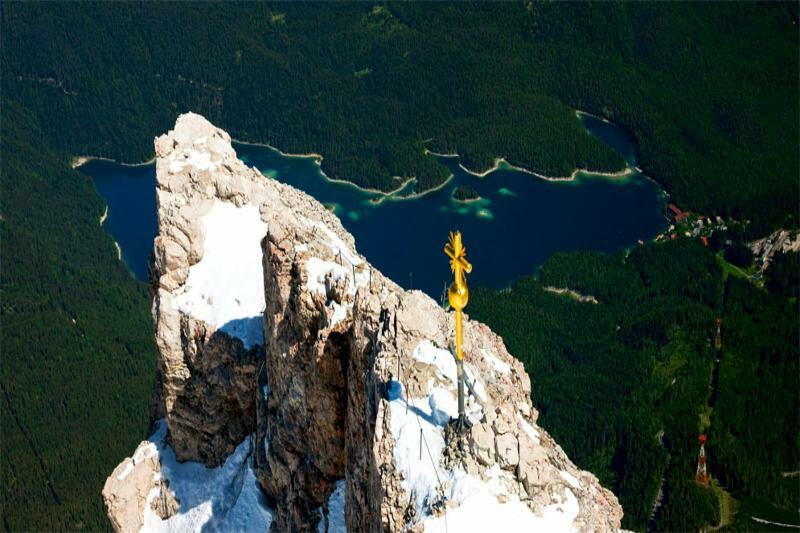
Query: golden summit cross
(458, 295)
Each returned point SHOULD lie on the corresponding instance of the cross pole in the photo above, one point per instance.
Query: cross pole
(458, 296)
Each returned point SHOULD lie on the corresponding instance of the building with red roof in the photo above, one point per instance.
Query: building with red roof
(676, 213)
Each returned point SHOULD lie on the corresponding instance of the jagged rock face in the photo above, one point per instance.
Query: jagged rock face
(352, 379)
(207, 375)
(311, 281)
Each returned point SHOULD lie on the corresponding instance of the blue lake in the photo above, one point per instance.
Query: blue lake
(517, 224)
(129, 192)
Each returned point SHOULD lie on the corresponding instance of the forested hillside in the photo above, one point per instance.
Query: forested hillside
(756, 423)
(710, 93)
(78, 356)
(614, 380)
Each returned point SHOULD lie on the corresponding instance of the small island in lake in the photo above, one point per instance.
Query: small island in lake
(464, 193)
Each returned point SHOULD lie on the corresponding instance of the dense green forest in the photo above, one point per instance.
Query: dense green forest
(710, 93)
(783, 275)
(78, 356)
(623, 384)
(756, 422)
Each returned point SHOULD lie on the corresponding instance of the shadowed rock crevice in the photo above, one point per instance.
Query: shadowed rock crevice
(364, 493)
(216, 408)
(306, 374)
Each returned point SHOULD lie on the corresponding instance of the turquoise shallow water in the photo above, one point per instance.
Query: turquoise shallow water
(519, 222)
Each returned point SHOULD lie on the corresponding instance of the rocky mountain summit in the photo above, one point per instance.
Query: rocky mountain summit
(300, 389)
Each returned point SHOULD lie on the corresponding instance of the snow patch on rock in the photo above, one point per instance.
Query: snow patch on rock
(226, 498)
(500, 366)
(528, 428)
(335, 518)
(317, 270)
(472, 502)
(194, 158)
(338, 246)
(319, 273)
(480, 509)
(569, 478)
(226, 288)
(418, 424)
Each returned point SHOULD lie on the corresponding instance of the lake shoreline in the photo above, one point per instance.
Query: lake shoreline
(501, 162)
(393, 197)
(468, 201)
(318, 158)
(309, 155)
(381, 196)
(468, 195)
(80, 160)
(578, 114)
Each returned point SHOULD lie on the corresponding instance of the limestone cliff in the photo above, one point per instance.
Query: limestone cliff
(287, 357)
